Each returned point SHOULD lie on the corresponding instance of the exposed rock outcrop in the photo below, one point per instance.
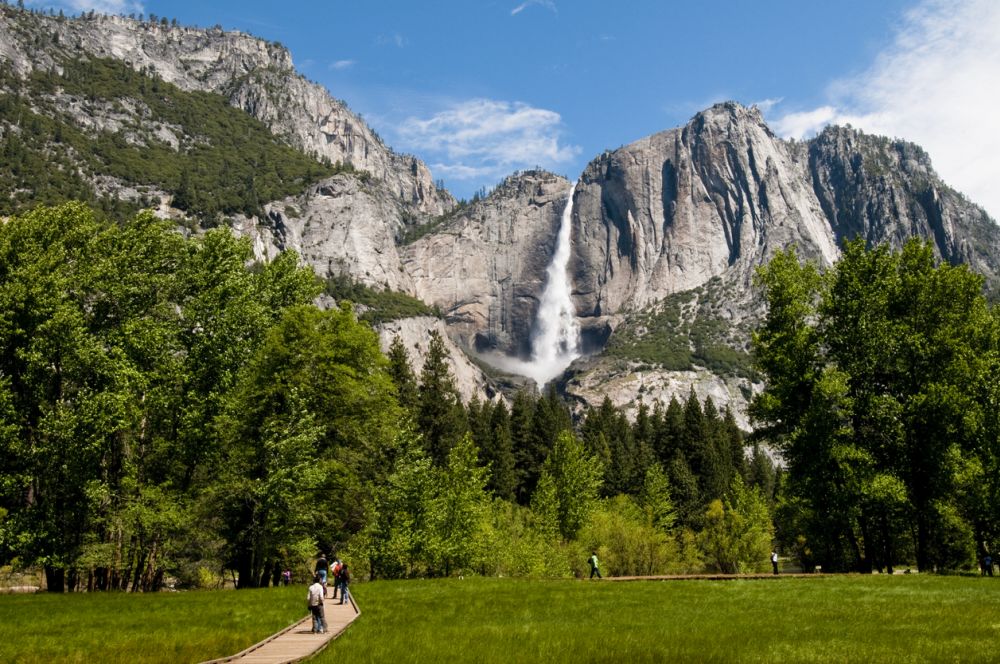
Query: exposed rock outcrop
(485, 267)
(415, 333)
(341, 225)
(669, 212)
(255, 75)
(716, 199)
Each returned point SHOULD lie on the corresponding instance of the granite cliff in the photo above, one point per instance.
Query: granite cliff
(666, 232)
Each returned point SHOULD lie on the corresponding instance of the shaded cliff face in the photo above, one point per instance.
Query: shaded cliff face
(886, 190)
(485, 267)
(255, 75)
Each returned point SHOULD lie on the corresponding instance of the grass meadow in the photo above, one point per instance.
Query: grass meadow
(910, 618)
(158, 627)
(903, 618)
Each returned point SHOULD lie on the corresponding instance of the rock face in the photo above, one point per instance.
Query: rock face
(415, 333)
(485, 267)
(342, 225)
(886, 190)
(718, 197)
(255, 75)
(671, 211)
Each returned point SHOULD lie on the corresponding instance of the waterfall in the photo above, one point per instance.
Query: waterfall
(555, 339)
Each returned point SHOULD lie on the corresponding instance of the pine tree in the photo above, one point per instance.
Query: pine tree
(521, 416)
(440, 418)
(402, 375)
(503, 476)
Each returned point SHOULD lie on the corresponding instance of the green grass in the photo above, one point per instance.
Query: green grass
(912, 618)
(823, 619)
(160, 627)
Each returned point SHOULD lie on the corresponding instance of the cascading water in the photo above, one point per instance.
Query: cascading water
(555, 339)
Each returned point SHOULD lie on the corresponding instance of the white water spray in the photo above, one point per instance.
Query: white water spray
(555, 340)
(555, 336)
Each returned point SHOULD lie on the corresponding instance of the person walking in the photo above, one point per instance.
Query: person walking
(314, 600)
(774, 561)
(595, 566)
(335, 574)
(343, 579)
(321, 569)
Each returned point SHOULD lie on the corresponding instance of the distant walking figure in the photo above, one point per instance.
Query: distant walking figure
(343, 579)
(314, 599)
(595, 567)
(335, 574)
(321, 569)
(987, 565)
(774, 561)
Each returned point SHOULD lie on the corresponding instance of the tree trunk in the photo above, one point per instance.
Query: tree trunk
(55, 578)
(923, 539)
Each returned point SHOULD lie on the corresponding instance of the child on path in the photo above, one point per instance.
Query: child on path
(314, 600)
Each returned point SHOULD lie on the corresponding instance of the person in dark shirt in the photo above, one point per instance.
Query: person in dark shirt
(322, 567)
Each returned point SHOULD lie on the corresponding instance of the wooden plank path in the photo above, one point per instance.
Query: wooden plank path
(297, 642)
(717, 577)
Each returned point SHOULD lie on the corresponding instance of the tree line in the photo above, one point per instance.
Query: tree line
(882, 397)
(171, 409)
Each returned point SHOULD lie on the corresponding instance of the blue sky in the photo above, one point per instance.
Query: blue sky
(478, 89)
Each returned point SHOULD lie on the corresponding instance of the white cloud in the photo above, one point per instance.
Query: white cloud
(461, 171)
(804, 123)
(343, 64)
(99, 6)
(766, 105)
(548, 4)
(936, 85)
(481, 137)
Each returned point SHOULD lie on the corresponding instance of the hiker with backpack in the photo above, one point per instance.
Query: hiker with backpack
(344, 578)
(314, 600)
(335, 572)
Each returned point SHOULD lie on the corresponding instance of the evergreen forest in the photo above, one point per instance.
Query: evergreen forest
(174, 412)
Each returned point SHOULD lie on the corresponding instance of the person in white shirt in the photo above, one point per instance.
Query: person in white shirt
(315, 601)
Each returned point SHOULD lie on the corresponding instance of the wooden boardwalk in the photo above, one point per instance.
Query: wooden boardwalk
(716, 577)
(297, 642)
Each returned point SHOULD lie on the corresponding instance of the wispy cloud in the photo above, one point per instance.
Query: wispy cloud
(548, 4)
(765, 105)
(394, 39)
(481, 138)
(936, 85)
(343, 64)
(99, 6)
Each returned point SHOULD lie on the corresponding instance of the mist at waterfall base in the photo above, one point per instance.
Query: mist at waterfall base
(555, 336)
